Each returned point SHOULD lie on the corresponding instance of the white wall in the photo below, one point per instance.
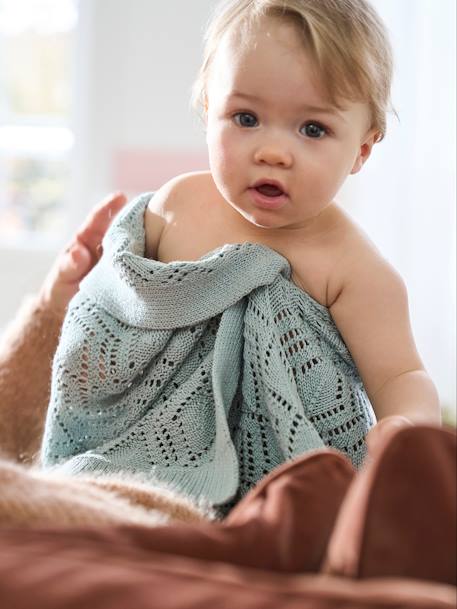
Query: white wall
(405, 195)
(137, 63)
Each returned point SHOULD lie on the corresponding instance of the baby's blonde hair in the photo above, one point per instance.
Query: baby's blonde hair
(346, 40)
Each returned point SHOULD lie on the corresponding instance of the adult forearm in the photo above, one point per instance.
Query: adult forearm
(26, 353)
(412, 395)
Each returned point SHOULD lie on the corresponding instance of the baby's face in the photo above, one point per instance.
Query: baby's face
(268, 123)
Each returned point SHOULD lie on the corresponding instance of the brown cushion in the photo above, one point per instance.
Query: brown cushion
(399, 515)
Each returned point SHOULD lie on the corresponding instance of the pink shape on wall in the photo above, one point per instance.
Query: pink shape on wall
(137, 170)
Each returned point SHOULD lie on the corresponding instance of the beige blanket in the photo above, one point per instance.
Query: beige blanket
(32, 498)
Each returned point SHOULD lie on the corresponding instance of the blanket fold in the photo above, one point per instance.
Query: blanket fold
(206, 374)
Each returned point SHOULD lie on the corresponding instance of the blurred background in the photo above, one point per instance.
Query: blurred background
(94, 97)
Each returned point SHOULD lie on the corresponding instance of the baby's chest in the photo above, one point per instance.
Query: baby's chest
(191, 238)
(311, 269)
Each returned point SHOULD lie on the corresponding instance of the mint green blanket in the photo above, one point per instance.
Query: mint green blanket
(206, 374)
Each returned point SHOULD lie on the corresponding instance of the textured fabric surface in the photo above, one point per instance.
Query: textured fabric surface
(33, 498)
(206, 374)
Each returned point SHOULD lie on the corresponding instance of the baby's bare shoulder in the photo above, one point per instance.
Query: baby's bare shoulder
(357, 260)
(362, 267)
(171, 200)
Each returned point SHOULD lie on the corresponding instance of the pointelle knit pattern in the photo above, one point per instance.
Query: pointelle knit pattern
(205, 374)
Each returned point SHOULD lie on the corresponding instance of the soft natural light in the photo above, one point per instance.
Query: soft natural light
(31, 140)
(39, 16)
(36, 85)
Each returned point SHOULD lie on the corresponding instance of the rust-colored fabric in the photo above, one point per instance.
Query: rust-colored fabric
(399, 516)
(72, 570)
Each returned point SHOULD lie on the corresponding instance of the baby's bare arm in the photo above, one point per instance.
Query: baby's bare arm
(371, 312)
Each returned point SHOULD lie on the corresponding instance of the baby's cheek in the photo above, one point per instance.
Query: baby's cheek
(219, 153)
(224, 165)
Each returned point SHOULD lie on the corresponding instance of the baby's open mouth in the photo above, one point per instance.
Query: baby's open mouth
(269, 190)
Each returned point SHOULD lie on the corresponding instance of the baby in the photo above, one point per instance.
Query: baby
(248, 276)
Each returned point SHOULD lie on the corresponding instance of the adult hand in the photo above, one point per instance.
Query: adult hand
(80, 256)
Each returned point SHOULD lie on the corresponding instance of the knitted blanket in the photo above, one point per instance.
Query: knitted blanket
(206, 374)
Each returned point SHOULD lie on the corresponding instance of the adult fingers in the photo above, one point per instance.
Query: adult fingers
(96, 224)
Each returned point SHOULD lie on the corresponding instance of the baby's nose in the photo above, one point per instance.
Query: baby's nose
(273, 154)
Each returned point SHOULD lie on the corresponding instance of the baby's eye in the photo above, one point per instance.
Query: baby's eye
(245, 119)
(313, 130)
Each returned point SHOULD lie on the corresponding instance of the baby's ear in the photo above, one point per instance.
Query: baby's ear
(365, 150)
